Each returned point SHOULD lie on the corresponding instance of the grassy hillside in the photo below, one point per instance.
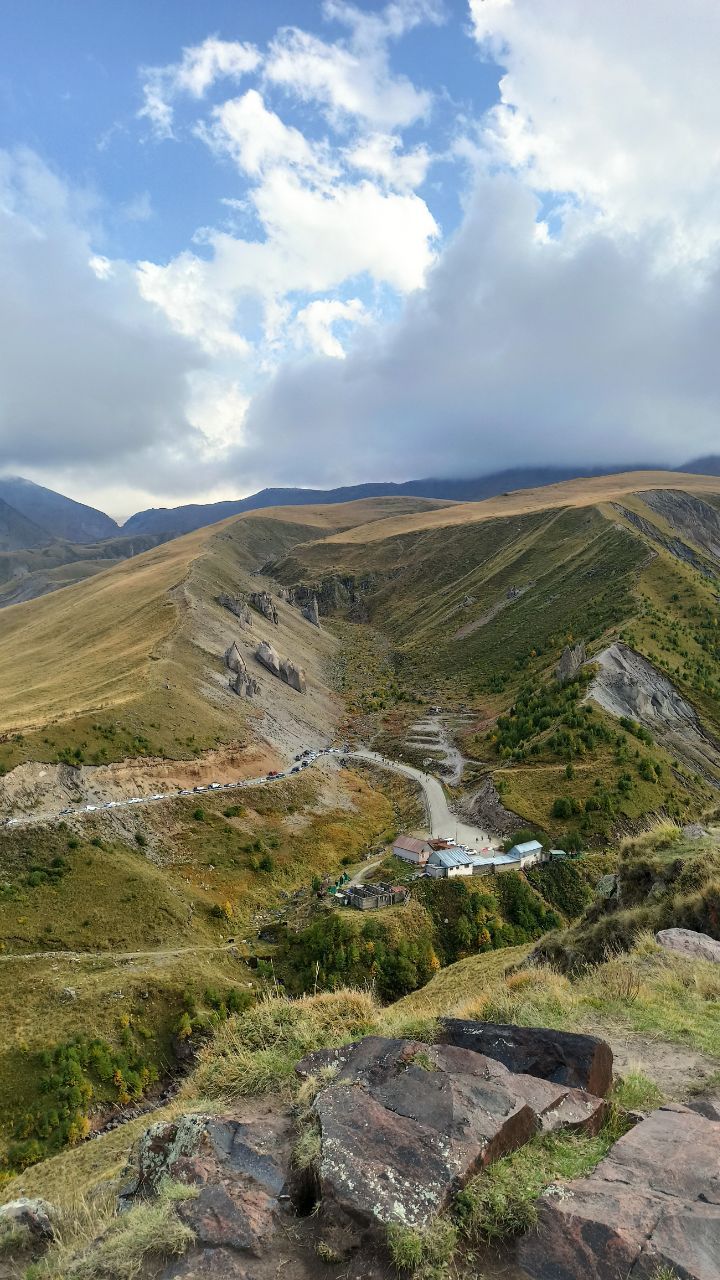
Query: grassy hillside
(116, 665)
(472, 607)
(115, 939)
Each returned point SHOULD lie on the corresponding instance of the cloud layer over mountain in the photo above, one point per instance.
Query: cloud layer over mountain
(327, 327)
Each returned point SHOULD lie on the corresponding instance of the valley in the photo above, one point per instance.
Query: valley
(202, 744)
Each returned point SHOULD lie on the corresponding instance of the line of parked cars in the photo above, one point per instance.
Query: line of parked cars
(302, 760)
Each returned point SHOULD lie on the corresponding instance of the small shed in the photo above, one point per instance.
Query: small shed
(411, 849)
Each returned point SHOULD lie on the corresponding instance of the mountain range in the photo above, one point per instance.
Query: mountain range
(32, 516)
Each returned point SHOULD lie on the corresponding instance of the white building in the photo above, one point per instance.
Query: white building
(527, 854)
(449, 863)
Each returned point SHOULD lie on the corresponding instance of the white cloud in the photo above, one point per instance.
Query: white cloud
(381, 155)
(615, 104)
(198, 69)
(316, 238)
(352, 78)
(316, 322)
(257, 139)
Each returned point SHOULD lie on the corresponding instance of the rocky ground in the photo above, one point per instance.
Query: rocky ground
(384, 1134)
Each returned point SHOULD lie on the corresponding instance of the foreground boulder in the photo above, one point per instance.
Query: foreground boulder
(651, 1208)
(406, 1124)
(32, 1215)
(563, 1057)
(695, 946)
(239, 1171)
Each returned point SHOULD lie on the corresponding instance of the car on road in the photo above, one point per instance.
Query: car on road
(186, 791)
(135, 800)
(90, 808)
(295, 768)
(158, 795)
(273, 774)
(214, 786)
(200, 788)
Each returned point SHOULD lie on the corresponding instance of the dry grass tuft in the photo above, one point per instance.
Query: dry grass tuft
(256, 1052)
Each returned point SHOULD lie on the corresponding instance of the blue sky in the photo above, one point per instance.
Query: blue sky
(320, 242)
(71, 88)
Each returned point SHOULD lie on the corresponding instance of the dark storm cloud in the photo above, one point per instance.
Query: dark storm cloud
(89, 373)
(519, 351)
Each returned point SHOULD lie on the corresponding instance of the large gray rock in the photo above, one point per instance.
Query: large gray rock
(234, 660)
(570, 663)
(686, 942)
(269, 657)
(564, 1057)
(651, 1207)
(237, 606)
(293, 675)
(310, 611)
(406, 1124)
(264, 603)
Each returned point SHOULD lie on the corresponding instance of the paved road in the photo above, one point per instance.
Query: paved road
(442, 821)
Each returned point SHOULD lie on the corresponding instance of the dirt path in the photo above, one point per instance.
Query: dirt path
(676, 1070)
(114, 957)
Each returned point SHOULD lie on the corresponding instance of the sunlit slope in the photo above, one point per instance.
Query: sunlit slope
(587, 491)
(121, 637)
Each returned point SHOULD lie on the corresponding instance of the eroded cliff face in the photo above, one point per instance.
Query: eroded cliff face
(629, 685)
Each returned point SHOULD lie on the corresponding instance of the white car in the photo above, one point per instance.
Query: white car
(158, 796)
(90, 808)
(135, 800)
(214, 786)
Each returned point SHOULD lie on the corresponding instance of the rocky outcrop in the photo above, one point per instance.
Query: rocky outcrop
(237, 606)
(32, 1215)
(406, 1124)
(688, 943)
(563, 1057)
(263, 602)
(484, 808)
(310, 611)
(293, 675)
(269, 657)
(240, 1173)
(241, 682)
(570, 663)
(651, 1208)
(627, 684)
(234, 660)
(286, 670)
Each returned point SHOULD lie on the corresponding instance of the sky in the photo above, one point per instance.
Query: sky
(313, 242)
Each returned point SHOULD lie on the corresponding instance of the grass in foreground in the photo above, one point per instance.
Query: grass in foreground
(149, 1232)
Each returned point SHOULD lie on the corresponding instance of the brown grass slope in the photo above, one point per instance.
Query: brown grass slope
(124, 642)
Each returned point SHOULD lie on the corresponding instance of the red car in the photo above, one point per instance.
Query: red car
(273, 773)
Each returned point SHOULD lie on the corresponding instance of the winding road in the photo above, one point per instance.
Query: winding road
(442, 821)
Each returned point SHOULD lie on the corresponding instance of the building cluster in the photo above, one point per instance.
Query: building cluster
(446, 858)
